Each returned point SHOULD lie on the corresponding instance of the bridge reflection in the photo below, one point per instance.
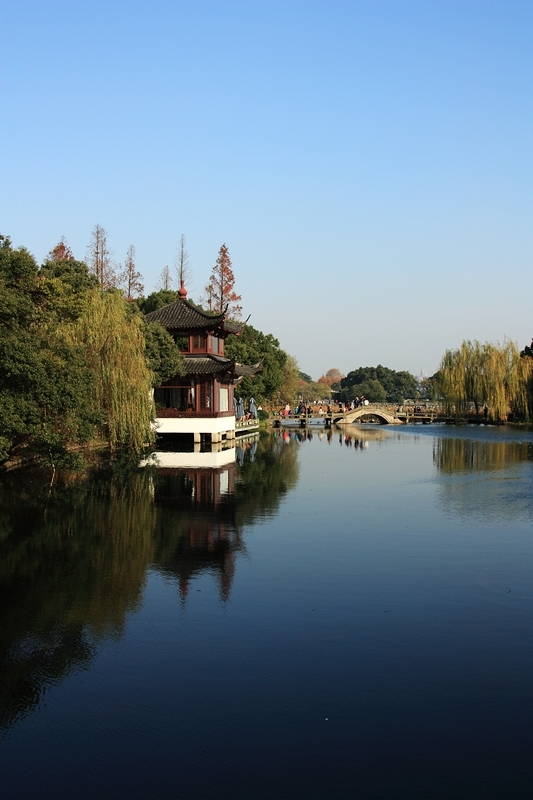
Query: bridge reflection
(349, 435)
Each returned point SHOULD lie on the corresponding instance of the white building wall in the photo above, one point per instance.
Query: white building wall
(215, 426)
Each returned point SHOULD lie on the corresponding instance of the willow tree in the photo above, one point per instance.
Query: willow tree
(291, 381)
(112, 336)
(486, 375)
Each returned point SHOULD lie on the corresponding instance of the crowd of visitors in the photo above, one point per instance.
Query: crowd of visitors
(321, 409)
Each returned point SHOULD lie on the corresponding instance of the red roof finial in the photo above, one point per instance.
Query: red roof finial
(182, 292)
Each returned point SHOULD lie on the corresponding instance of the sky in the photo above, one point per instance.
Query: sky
(368, 164)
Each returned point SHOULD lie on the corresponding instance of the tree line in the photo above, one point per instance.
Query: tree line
(486, 381)
(77, 360)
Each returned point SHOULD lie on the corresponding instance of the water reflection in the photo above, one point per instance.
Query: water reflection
(484, 478)
(71, 566)
(356, 436)
(73, 562)
(455, 454)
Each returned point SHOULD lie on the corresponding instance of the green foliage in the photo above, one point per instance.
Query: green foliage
(313, 391)
(114, 344)
(371, 389)
(398, 386)
(251, 346)
(429, 387)
(305, 377)
(164, 358)
(156, 300)
(288, 392)
(73, 273)
(72, 361)
(43, 373)
(487, 375)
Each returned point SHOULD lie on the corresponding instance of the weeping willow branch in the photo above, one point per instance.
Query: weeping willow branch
(487, 375)
(114, 343)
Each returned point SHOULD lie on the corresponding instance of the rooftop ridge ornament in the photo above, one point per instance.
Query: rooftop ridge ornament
(182, 291)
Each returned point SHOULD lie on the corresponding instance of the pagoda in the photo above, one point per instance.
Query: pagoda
(202, 401)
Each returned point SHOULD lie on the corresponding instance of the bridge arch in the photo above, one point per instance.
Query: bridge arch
(385, 417)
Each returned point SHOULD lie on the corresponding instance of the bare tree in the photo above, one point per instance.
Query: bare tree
(219, 291)
(165, 281)
(99, 258)
(181, 263)
(130, 278)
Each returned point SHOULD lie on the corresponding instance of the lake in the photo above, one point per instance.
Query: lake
(343, 615)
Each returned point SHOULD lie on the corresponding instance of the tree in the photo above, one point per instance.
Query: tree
(371, 389)
(487, 375)
(72, 363)
(183, 270)
(289, 387)
(219, 291)
(250, 347)
(61, 252)
(309, 392)
(74, 273)
(99, 258)
(165, 281)
(44, 377)
(130, 278)
(155, 300)
(111, 334)
(398, 386)
(332, 376)
(164, 358)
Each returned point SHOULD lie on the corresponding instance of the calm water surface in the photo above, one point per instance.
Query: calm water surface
(343, 617)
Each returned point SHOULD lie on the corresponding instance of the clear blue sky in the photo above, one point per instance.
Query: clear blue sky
(368, 164)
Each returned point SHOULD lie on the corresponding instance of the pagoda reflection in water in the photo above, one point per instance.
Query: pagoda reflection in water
(195, 491)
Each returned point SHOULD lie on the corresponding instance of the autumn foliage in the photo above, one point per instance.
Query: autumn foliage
(61, 252)
(220, 290)
(332, 376)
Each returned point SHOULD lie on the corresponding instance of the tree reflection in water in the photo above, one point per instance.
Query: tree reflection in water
(73, 562)
(466, 490)
(469, 455)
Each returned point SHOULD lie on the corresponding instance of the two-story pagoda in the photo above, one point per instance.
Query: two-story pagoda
(200, 402)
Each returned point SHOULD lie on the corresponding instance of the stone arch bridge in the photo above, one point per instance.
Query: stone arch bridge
(385, 417)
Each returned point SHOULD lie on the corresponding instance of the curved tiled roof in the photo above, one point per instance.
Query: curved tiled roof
(207, 365)
(245, 371)
(183, 315)
(234, 327)
(217, 365)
